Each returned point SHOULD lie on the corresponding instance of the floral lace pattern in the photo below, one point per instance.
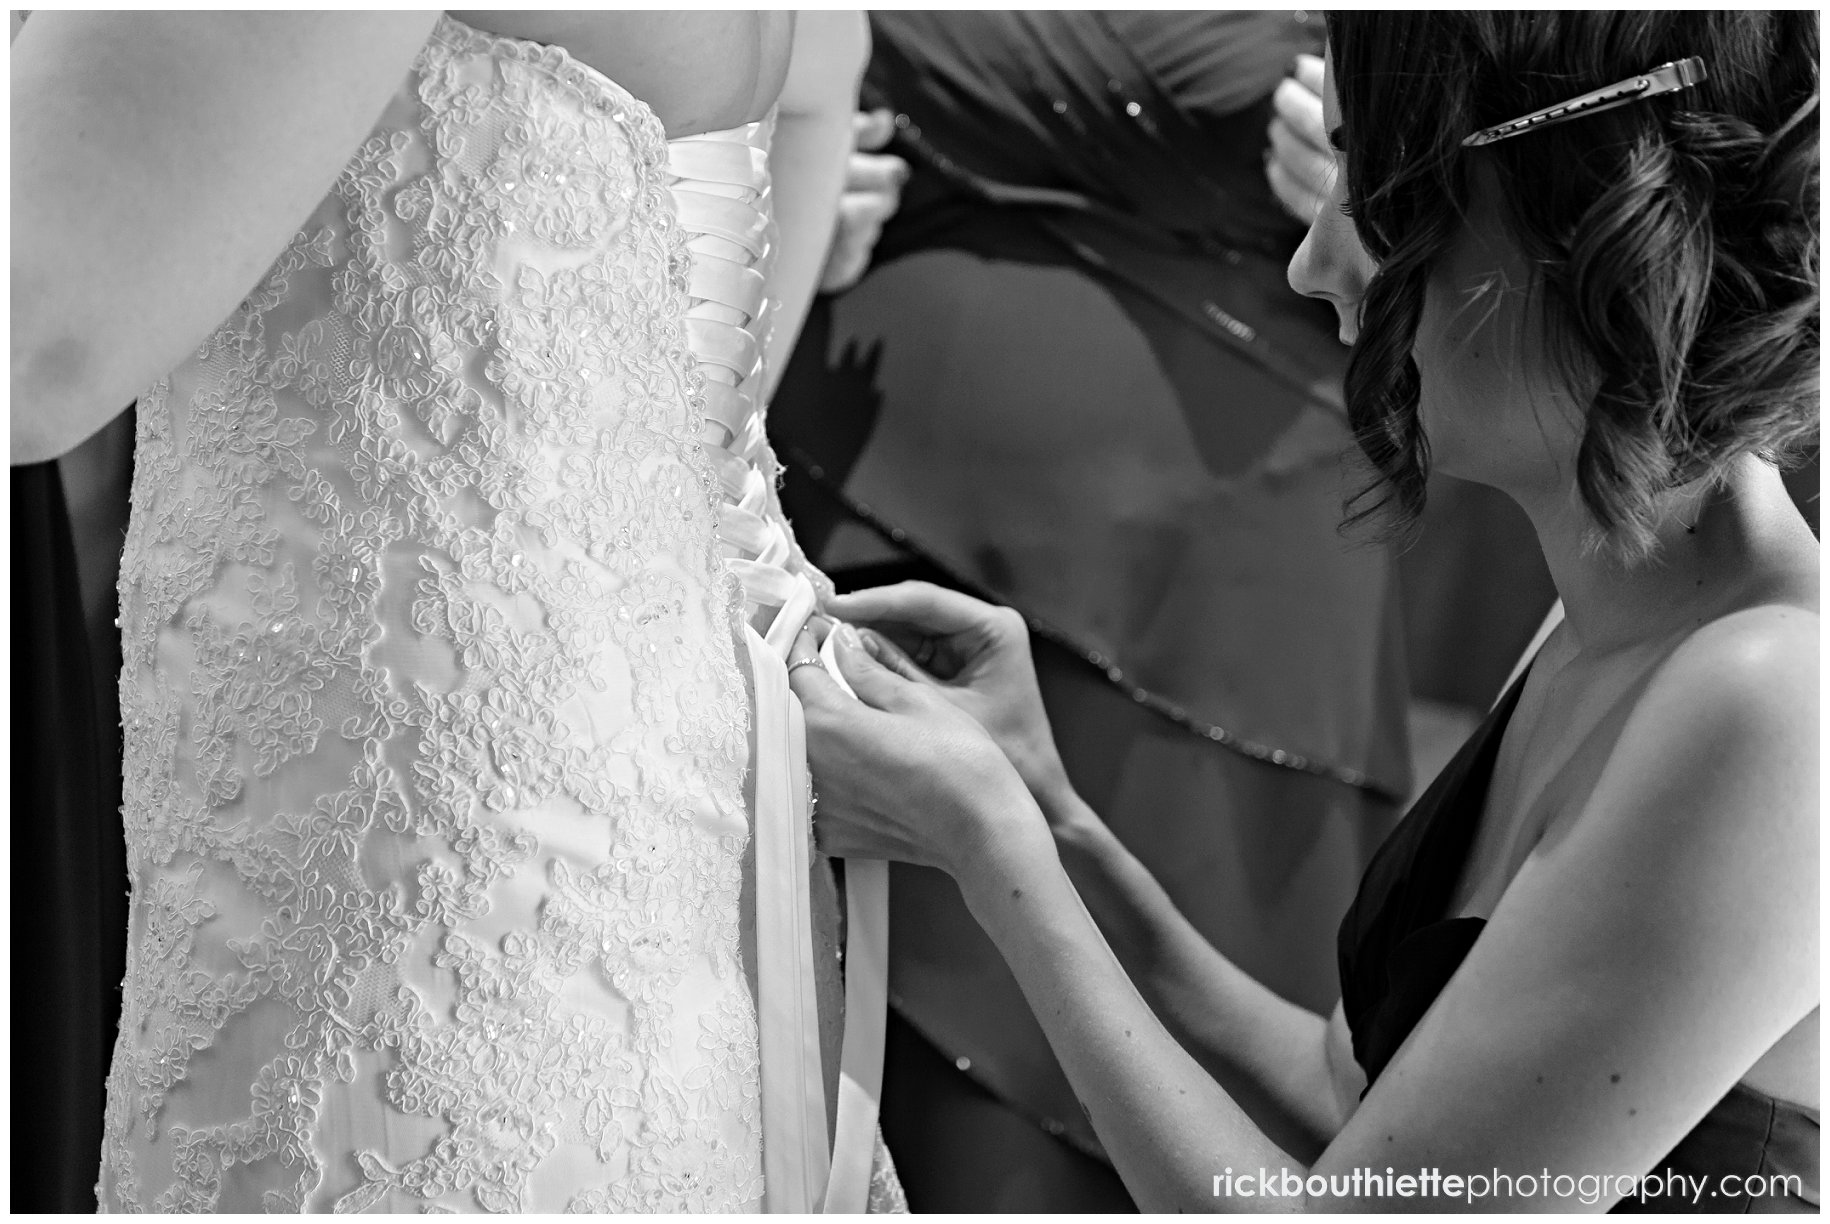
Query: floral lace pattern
(434, 728)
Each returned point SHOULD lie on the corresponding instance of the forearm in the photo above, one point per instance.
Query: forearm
(813, 139)
(1168, 1126)
(1267, 1052)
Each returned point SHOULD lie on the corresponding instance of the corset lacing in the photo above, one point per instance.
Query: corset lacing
(720, 189)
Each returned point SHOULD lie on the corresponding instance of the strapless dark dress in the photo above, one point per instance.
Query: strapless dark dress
(1397, 951)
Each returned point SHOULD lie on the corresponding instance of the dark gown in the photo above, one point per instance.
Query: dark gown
(1397, 951)
(69, 873)
(1075, 381)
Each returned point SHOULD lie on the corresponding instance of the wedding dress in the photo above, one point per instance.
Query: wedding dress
(452, 613)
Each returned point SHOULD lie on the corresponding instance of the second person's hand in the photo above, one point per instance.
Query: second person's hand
(974, 654)
(905, 775)
(871, 196)
(1299, 163)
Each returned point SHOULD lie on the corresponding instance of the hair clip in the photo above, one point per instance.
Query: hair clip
(1666, 78)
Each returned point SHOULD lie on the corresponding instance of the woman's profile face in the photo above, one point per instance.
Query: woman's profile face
(1331, 263)
(1490, 406)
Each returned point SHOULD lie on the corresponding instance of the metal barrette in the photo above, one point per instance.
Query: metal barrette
(1666, 78)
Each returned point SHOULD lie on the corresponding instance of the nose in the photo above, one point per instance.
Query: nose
(1332, 265)
(1304, 273)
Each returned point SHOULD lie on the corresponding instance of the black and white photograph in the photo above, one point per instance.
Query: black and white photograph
(904, 611)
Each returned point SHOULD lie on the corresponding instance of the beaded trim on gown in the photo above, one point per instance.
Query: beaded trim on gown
(435, 615)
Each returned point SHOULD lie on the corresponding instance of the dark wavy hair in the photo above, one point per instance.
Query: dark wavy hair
(1674, 240)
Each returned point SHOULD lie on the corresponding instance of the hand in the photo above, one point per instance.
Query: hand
(872, 193)
(975, 655)
(1300, 163)
(901, 773)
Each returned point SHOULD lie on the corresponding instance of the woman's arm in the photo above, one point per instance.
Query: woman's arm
(813, 140)
(905, 775)
(1656, 945)
(1272, 1055)
(160, 161)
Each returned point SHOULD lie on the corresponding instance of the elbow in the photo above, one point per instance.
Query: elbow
(52, 381)
(33, 444)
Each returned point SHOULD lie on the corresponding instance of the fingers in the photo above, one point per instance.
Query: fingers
(871, 130)
(1309, 167)
(918, 605)
(876, 685)
(876, 173)
(873, 193)
(811, 684)
(1308, 73)
(861, 219)
(1301, 108)
(894, 657)
(1299, 203)
(1300, 173)
(845, 265)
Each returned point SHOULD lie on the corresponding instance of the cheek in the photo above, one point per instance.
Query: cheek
(1472, 335)
(1459, 366)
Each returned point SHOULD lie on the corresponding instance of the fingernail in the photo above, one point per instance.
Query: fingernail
(848, 638)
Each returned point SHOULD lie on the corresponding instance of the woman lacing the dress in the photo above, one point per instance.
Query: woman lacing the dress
(1576, 256)
(449, 551)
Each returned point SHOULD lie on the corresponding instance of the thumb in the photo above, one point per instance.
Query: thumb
(875, 685)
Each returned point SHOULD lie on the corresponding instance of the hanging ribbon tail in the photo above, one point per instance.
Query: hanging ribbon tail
(867, 989)
(795, 1159)
(720, 187)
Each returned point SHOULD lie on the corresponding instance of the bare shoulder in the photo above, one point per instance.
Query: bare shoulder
(1760, 662)
(1728, 727)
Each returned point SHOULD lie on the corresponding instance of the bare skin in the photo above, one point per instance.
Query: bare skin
(164, 158)
(1646, 861)
(698, 71)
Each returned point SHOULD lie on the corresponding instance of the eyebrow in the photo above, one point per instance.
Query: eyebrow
(1335, 138)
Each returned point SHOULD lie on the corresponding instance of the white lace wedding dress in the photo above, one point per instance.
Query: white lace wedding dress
(450, 552)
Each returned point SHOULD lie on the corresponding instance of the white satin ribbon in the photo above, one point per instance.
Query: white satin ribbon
(867, 988)
(795, 1160)
(800, 1173)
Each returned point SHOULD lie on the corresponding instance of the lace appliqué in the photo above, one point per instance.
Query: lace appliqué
(435, 733)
